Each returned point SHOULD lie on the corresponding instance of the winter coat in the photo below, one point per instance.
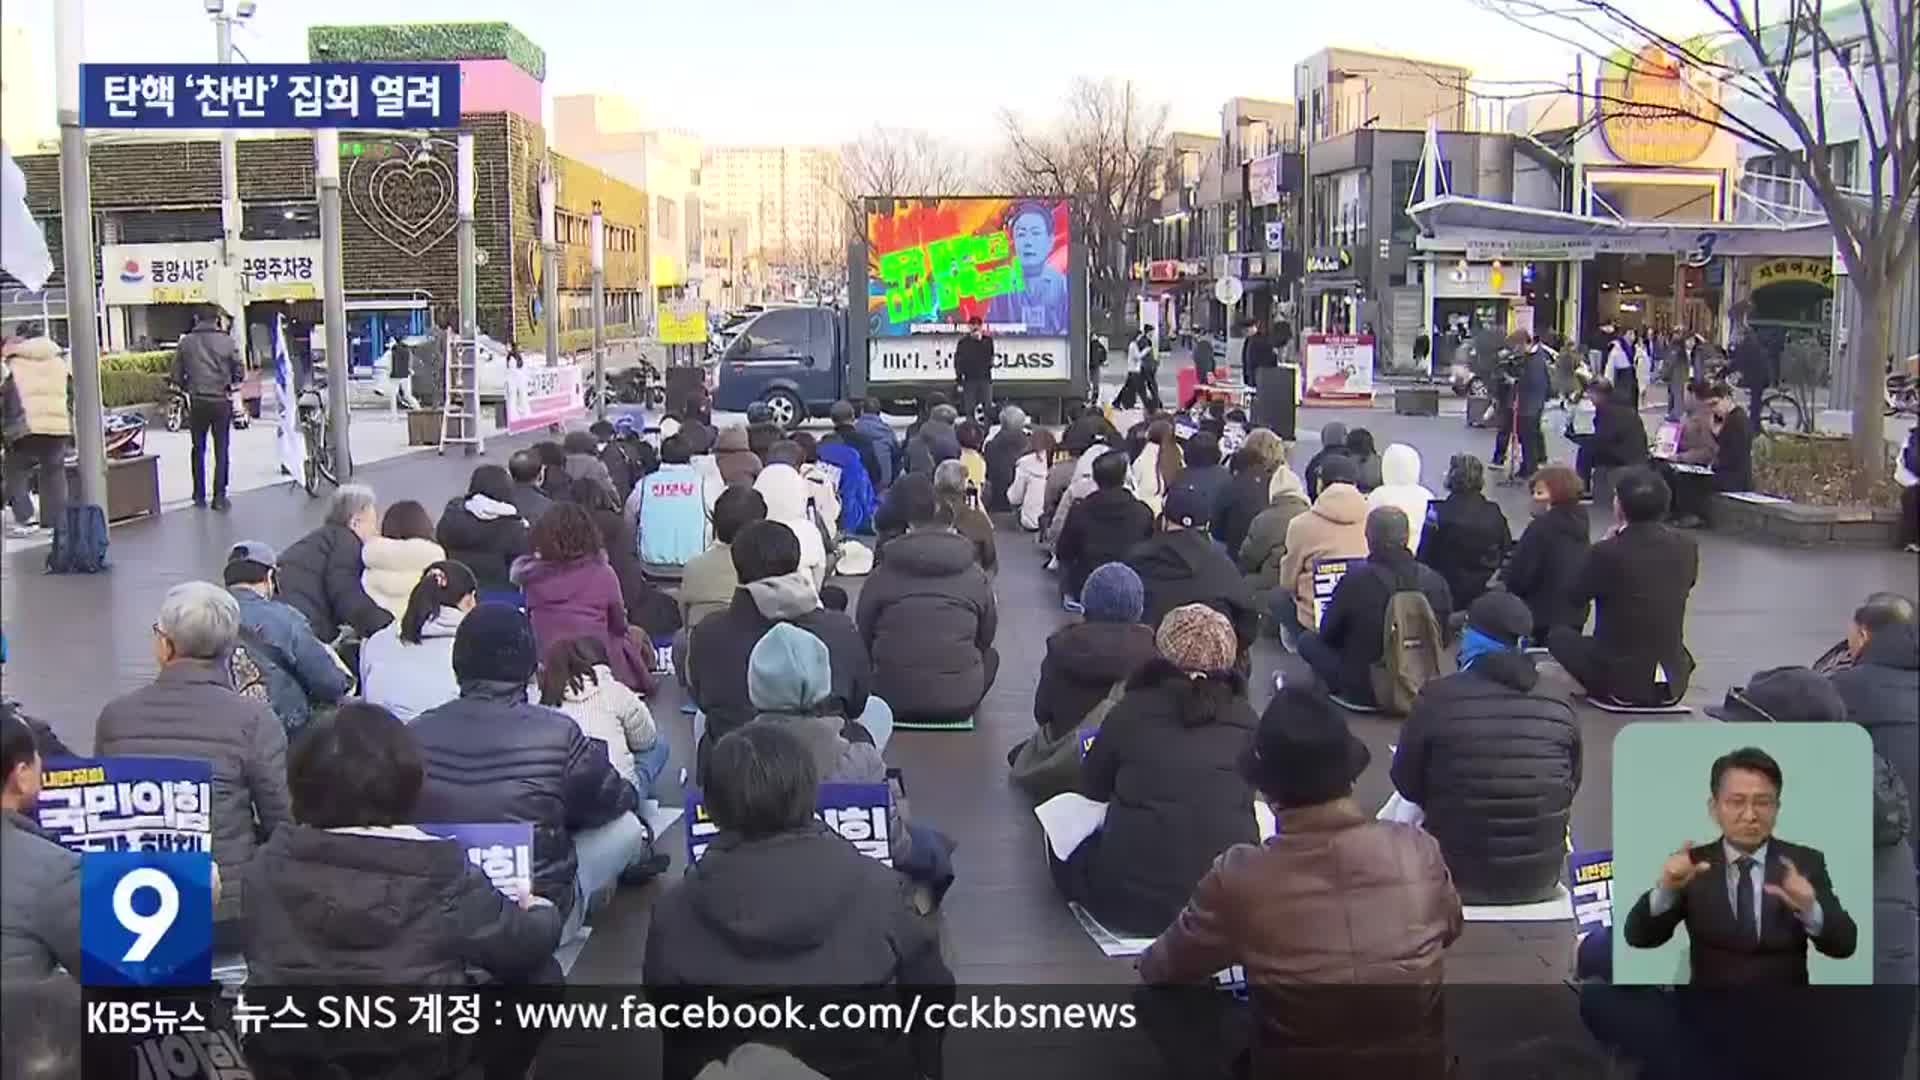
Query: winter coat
(486, 536)
(1208, 481)
(1336, 900)
(39, 902)
(1495, 763)
(1334, 527)
(320, 577)
(1028, 490)
(1639, 581)
(1548, 560)
(581, 598)
(1619, 436)
(1699, 444)
(295, 669)
(800, 908)
(1059, 479)
(707, 585)
(1245, 495)
(1355, 623)
(1535, 383)
(648, 608)
(875, 459)
(973, 358)
(606, 710)
(737, 462)
(37, 375)
(1175, 800)
(590, 467)
(1264, 551)
(1101, 528)
(1084, 660)
(1882, 692)
(408, 679)
(393, 568)
(789, 502)
(886, 448)
(190, 710)
(1400, 487)
(1002, 452)
(1311, 476)
(1733, 452)
(927, 617)
(719, 648)
(492, 755)
(1896, 899)
(1145, 479)
(1185, 566)
(207, 364)
(934, 443)
(849, 487)
(1466, 540)
(670, 507)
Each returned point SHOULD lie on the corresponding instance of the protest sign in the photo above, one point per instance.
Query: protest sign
(1590, 876)
(1326, 577)
(858, 812)
(126, 803)
(501, 850)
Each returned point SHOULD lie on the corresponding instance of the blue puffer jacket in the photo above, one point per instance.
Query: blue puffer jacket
(292, 665)
(493, 756)
(857, 499)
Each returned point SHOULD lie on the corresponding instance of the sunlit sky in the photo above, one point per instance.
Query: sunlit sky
(821, 71)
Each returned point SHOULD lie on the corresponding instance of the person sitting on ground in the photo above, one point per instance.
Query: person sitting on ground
(577, 679)
(1009, 444)
(1333, 901)
(320, 574)
(351, 891)
(848, 497)
(572, 591)
(1619, 438)
(1467, 537)
(278, 659)
(1351, 638)
(936, 440)
(773, 589)
(1159, 463)
(927, 617)
(1401, 487)
(619, 467)
(1698, 445)
(1333, 443)
(709, 581)
(1638, 578)
(583, 461)
(1264, 552)
(408, 667)
(1552, 554)
(1839, 657)
(40, 892)
(190, 709)
(779, 899)
(1881, 687)
(835, 598)
(648, 607)
(875, 460)
(973, 441)
(1079, 483)
(1365, 458)
(1029, 489)
(737, 461)
(1732, 461)
(1334, 527)
(669, 506)
(1250, 488)
(1493, 762)
(802, 452)
(886, 446)
(1085, 660)
(1182, 565)
(789, 503)
(493, 755)
(395, 559)
(762, 432)
(957, 494)
(1166, 763)
(1101, 527)
(483, 530)
(1202, 471)
(554, 480)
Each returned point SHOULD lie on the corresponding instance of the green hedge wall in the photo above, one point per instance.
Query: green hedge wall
(119, 389)
(156, 362)
(427, 41)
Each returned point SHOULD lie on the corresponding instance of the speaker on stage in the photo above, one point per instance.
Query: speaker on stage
(1274, 406)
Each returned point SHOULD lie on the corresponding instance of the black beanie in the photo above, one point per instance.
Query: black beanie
(494, 643)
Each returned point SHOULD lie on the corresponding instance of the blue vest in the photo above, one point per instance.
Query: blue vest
(673, 516)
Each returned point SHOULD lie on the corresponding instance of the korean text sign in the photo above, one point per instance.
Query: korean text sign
(858, 812)
(932, 264)
(1590, 879)
(127, 804)
(501, 850)
(540, 396)
(374, 95)
(1326, 578)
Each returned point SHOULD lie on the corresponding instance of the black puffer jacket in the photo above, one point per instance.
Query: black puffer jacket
(927, 617)
(1546, 563)
(1083, 662)
(799, 908)
(1466, 540)
(1882, 692)
(1495, 764)
(320, 576)
(487, 546)
(1175, 800)
(1185, 566)
(493, 756)
(1238, 503)
(1100, 528)
(1006, 447)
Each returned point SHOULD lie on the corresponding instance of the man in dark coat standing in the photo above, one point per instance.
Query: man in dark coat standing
(206, 364)
(973, 368)
(1257, 353)
(1530, 404)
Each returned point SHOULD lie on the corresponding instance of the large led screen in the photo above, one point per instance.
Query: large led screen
(932, 264)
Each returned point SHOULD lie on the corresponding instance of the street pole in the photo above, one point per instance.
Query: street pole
(599, 252)
(550, 261)
(333, 296)
(469, 285)
(76, 229)
(230, 214)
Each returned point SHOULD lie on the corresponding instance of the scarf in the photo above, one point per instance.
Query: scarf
(487, 509)
(1475, 643)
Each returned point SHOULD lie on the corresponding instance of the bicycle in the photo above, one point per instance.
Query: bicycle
(1780, 408)
(315, 434)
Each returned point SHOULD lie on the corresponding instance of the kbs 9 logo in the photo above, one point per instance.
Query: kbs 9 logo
(146, 918)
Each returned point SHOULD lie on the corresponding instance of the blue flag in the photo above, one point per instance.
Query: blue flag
(293, 449)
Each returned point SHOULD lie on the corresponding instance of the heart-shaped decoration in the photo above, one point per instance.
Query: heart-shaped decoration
(407, 202)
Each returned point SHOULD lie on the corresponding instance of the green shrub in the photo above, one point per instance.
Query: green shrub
(427, 41)
(1816, 469)
(153, 362)
(119, 389)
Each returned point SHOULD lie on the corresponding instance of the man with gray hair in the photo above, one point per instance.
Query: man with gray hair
(937, 440)
(320, 574)
(1003, 452)
(190, 710)
(962, 504)
(1351, 639)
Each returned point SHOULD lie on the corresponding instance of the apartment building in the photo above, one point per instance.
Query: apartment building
(1336, 91)
(789, 196)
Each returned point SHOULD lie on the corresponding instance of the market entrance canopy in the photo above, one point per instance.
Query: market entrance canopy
(1486, 229)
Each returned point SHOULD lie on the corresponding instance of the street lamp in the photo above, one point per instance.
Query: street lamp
(230, 211)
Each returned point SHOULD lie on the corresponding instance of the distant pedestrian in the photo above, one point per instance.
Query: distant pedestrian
(1202, 358)
(207, 366)
(33, 399)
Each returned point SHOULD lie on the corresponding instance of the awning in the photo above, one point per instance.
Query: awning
(1486, 229)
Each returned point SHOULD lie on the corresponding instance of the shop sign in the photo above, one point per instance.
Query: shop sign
(1657, 109)
(280, 269)
(1476, 280)
(1780, 271)
(1339, 366)
(1163, 270)
(1263, 180)
(1329, 264)
(1531, 248)
(188, 272)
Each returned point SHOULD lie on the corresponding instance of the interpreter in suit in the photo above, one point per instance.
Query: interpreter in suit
(1751, 901)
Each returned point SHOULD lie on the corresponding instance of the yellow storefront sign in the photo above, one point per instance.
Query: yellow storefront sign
(1779, 271)
(1656, 108)
(683, 324)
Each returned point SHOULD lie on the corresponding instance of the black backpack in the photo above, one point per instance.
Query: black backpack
(79, 542)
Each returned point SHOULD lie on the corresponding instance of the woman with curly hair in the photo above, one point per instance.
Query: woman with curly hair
(572, 591)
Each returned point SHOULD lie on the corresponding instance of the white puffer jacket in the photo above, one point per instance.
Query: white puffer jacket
(393, 568)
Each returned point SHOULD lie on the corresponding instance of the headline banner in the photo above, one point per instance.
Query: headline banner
(363, 96)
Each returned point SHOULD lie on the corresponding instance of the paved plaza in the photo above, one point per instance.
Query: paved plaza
(76, 642)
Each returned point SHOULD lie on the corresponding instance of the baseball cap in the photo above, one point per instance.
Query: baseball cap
(254, 551)
(1188, 507)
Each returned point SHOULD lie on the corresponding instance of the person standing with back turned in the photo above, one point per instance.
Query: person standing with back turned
(207, 366)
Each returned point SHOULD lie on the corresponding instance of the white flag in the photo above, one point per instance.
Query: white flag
(23, 243)
(293, 448)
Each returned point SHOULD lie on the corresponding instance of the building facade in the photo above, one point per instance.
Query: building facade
(795, 210)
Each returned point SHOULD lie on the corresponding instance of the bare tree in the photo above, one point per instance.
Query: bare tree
(1102, 151)
(901, 162)
(1795, 79)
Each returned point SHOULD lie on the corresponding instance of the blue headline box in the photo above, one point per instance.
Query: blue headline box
(362, 96)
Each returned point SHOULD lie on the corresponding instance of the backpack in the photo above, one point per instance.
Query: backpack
(1044, 766)
(1410, 647)
(79, 542)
